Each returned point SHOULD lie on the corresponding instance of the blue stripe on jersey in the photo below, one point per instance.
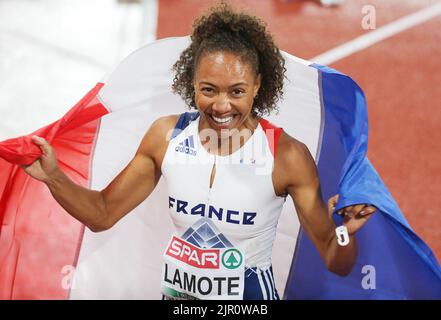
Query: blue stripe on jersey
(265, 284)
(183, 122)
(270, 284)
(259, 285)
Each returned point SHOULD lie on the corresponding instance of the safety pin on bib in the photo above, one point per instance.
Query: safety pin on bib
(342, 235)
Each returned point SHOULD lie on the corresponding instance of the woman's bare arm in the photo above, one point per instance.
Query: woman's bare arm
(100, 210)
(302, 183)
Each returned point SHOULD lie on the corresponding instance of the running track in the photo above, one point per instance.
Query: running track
(400, 76)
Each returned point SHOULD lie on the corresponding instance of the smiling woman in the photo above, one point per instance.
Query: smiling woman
(225, 87)
(232, 73)
(224, 31)
(224, 207)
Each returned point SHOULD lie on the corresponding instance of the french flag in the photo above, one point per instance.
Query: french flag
(47, 254)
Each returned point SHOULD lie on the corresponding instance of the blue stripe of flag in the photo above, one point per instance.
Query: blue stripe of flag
(405, 267)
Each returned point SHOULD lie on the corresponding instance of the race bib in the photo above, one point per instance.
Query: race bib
(190, 272)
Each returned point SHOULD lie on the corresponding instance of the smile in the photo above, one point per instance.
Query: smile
(225, 120)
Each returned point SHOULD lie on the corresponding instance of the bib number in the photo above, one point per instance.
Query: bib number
(191, 272)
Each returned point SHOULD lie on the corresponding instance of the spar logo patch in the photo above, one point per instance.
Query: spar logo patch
(192, 255)
(203, 264)
(232, 258)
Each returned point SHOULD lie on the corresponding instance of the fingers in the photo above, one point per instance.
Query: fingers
(345, 211)
(355, 210)
(332, 202)
(43, 144)
(39, 140)
(367, 210)
(359, 210)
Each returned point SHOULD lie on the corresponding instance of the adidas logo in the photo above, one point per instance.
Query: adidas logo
(186, 146)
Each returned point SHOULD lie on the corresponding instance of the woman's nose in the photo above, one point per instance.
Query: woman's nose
(222, 104)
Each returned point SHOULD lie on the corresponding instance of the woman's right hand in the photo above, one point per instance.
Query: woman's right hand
(44, 167)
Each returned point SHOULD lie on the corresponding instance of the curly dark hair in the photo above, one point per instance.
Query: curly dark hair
(223, 29)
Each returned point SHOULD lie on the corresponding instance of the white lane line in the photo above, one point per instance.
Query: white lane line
(378, 35)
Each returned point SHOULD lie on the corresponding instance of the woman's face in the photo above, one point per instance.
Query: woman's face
(225, 87)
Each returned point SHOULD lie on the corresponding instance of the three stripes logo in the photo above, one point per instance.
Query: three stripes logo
(187, 146)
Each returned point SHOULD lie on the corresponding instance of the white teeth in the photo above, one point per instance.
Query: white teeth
(222, 120)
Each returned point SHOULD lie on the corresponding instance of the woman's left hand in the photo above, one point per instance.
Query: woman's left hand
(355, 216)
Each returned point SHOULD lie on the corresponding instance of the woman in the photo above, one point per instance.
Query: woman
(224, 204)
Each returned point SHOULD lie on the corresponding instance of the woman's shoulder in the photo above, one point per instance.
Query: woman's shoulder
(293, 164)
(293, 155)
(158, 132)
(155, 141)
(174, 121)
(290, 146)
(162, 126)
(165, 122)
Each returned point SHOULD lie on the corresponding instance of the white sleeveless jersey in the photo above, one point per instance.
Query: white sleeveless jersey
(241, 208)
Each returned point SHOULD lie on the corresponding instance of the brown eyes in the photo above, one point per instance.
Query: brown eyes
(207, 90)
(234, 92)
(238, 92)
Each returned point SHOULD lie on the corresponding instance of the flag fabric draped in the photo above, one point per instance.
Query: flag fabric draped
(393, 262)
(46, 254)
